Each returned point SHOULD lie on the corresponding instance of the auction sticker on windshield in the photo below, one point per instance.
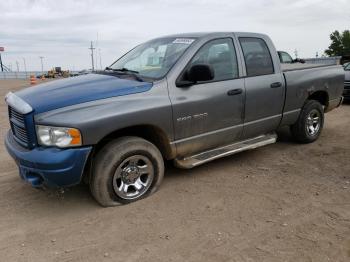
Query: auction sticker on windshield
(186, 41)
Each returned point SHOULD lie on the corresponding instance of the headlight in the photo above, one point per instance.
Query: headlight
(58, 136)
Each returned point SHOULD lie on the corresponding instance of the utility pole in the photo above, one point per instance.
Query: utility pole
(42, 65)
(2, 68)
(17, 65)
(92, 56)
(2, 49)
(25, 66)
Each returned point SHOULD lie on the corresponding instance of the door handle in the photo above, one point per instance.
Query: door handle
(234, 92)
(276, 84)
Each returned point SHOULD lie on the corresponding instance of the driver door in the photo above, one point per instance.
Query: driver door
(209, 114)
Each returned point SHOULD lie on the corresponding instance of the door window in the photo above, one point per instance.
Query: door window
(221, 56)
(257, 56)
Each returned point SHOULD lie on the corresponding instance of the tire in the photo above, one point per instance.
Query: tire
(307, 129)
(125, 170)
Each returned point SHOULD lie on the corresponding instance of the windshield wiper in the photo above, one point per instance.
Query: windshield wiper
(127, 71)
(122, 70)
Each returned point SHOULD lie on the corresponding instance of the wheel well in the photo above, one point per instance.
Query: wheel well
(320, 96)
(151, 133)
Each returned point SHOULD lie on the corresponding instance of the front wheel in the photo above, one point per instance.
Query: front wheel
(310, 122)
(125, 170)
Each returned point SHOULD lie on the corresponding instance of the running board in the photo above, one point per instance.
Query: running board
(204, 157)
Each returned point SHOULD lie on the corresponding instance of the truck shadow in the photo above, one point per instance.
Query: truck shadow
(284, 136)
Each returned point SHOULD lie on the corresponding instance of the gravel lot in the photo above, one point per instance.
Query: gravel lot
(283, 202)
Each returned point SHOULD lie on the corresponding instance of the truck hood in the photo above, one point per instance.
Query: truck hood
(66, 92)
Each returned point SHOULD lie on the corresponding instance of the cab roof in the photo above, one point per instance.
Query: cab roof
(212, 34)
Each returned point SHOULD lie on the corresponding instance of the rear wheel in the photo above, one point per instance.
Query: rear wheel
(126, 170)
(310, 122)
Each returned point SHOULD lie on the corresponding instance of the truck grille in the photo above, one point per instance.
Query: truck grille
(18, 127)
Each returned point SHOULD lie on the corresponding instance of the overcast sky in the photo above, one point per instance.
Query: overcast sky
(61, 30)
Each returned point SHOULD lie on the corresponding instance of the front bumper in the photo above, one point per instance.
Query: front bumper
(51, 167)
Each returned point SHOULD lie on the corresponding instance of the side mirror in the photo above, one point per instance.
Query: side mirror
(196, 73)
(200, 72)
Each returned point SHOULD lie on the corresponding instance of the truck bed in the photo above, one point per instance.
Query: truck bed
(299, 66)
(303, 79)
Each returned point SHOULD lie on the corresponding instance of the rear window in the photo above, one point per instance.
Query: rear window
(257, 56)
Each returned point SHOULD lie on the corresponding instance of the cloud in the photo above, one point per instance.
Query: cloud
(61, 31)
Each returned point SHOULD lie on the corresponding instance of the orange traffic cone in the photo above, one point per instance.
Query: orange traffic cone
(32, 80)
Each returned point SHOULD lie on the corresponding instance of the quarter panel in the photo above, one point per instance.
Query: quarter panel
(302, 83)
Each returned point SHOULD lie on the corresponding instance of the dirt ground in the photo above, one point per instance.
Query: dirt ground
(282, 202)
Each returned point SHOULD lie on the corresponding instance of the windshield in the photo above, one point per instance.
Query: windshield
(347, 67)
(153, 59)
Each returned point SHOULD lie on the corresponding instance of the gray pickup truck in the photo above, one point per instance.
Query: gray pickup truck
(190, 98)
(346, 93)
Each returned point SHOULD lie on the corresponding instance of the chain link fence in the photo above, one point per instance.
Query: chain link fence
(19, 75)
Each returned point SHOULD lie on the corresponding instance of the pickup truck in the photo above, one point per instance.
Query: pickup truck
(346, 93)
(285, 58)
(190, 98)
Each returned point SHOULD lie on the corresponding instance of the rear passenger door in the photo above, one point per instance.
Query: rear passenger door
(264, 86)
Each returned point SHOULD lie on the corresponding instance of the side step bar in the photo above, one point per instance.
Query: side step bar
(204, 157)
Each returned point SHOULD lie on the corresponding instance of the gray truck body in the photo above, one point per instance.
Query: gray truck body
(346, 93)
(203, 116)
(180, 121)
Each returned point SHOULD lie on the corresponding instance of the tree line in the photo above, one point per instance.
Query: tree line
(340, 44)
